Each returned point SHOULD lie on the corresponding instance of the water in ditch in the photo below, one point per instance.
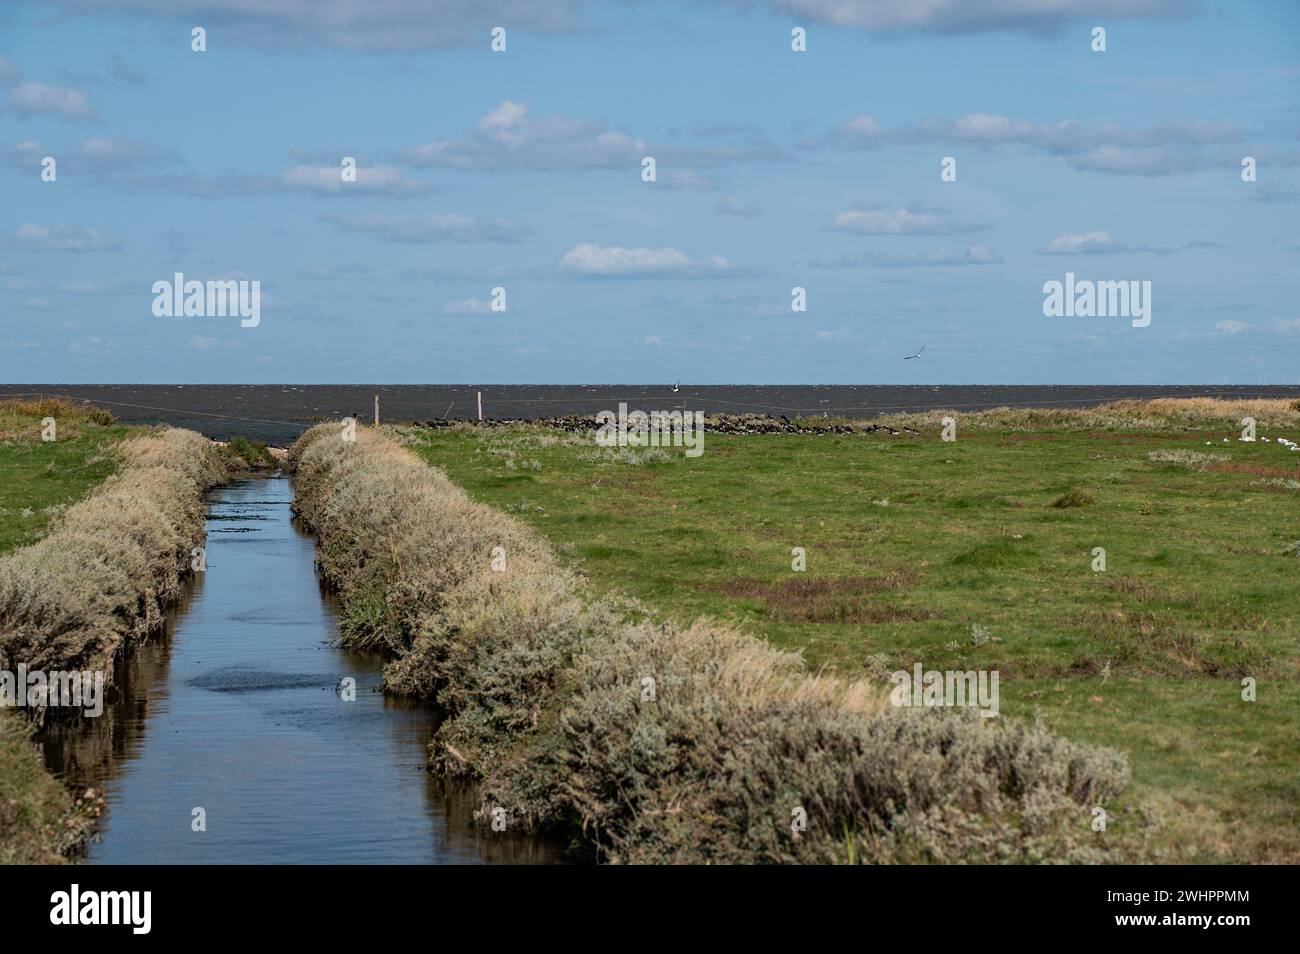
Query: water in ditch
(235, 712)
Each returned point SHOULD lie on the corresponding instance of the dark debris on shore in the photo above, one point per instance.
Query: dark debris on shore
(713, 423)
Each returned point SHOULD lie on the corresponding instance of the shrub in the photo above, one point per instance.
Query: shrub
(244, 454)
(667, 743)
(100, 579)
(112, 563)
(1185, 458)
(40, 822)
(1073, 498)
(738, 736)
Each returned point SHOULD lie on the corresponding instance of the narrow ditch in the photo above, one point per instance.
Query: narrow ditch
(235, 711)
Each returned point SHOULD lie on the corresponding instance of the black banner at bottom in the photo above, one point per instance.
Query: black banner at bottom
(349, 903)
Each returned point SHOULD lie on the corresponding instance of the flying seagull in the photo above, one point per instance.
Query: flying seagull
(917, 355)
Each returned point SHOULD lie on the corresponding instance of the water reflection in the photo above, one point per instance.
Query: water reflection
(236, 712)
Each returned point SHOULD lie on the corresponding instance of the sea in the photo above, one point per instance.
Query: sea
(277, 413)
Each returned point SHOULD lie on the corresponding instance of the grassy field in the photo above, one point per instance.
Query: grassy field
(978, 554)
(39, 480)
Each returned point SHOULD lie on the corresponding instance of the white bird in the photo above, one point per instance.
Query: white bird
(677, 387)
(917, 355)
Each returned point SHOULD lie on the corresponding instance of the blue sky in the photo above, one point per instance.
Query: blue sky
(775, 169)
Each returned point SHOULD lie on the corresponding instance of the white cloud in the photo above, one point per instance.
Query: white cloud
(685, 180)
(973, 255)
(1098, 242)
(467, 306)
(733, 205)
(354, 24)
(1162, 149)
(614, 261)
(115, 162)
(384, 180)
(106, 160)
(507, 138)
(61, 238)
(914, 220)
(1089, 243)
(432, 228)
(966, 16)
(1131, 161)
(437, 24)
(329, 273)
(41, 99)
(112, 151)
(1231, 327)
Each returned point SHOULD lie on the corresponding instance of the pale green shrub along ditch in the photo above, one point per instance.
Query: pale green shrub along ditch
(113, 563)
(101, 578)
(664, 743)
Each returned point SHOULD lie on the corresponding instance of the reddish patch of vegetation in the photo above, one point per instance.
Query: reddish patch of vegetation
(836, 600)
(1255, 470)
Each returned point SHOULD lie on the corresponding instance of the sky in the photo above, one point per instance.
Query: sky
(774, 169)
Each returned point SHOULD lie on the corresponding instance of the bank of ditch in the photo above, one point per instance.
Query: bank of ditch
(578, 712)
(81, 596)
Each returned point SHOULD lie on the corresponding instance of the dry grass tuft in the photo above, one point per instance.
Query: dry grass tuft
(1163, 414)
(1185, 458)
(20, 420)
(1073, 498)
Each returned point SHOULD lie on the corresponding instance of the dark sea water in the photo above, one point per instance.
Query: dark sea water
(279, 413)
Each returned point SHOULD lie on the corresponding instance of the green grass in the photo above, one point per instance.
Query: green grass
(249, 455)
(911, 541)
(39, 820)
(38, 479)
